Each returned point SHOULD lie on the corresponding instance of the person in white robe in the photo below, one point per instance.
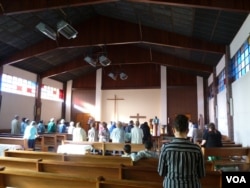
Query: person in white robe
(136, 134)
(79, 134)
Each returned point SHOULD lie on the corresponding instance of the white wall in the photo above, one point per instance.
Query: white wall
(200, 97)
(222, 112)
(146, 102)
(241, 106)
(23, 106)
(16, 104)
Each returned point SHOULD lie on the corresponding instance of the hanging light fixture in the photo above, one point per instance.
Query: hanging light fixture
(123, 76)
(104, 61)
(112, 75)
(66, 30)
(46, 30)
(90, 61)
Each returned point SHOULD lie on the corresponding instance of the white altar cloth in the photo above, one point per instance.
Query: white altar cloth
(74, 149)
(4, 147)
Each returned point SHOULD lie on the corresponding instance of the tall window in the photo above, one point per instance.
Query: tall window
(52, 93)
(13, 84)
(16, 85)
(221, 81)
(240, 61)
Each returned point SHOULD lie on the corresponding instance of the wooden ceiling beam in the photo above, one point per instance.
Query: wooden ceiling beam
(23, 6)
(226, 5)
(26, 6)
(124, 33)
(121, 55)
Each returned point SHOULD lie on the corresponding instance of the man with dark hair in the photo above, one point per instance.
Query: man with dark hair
(126, 150)
(181, 161)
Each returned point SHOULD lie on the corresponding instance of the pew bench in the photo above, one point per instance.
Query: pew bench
(227, 156)
(20, 178)
(35, 155)
(20, 163)
(14, 141)
(92, 170)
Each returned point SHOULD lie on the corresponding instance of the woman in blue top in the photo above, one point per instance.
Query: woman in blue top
(30, 134)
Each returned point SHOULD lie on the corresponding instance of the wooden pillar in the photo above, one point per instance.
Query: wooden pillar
(1, 75)
(228, 83)
(64, 99)
(38, 103)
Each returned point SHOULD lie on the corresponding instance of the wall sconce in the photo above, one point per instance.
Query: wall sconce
(104, 61)
(123, 76)
(66, 30)
(46, 30)
(112, 75)
(90, 61)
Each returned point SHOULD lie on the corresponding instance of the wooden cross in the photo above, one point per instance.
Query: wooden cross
(137, 117)
(115, 99)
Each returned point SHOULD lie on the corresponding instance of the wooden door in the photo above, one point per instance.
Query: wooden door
(83, 118)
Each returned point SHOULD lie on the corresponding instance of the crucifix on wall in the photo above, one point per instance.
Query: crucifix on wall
(137, 117)
(115, 108)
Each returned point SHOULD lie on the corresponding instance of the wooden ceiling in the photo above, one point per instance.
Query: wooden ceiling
(187, 36)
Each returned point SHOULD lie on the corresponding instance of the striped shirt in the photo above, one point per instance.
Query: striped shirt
(181, 163)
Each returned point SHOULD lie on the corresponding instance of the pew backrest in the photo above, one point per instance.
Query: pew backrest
(35, 155)
(15, 141)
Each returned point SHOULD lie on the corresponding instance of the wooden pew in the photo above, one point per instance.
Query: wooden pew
(20, 163)
(111, 171)
(226, 156)
(20, 178)
(212, 180)
(99, 159)
(16, 141)
(35, 155)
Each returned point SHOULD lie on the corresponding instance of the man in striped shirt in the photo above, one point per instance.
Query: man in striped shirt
(181, 161)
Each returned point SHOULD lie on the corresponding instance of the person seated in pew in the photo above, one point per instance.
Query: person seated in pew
(127, 151)
(146, 153)
(181, 162)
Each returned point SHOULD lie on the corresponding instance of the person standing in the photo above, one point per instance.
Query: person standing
(212, 137)
(52, 126)
(93, 133)
(104, 134)
(40, 127)
(30, 134)
(181, 162)
(71, 127)
(136, 134)
(15, 126)
(146, 132)
(156, 122)
(118, 134)
(62, 126)
(79, 134)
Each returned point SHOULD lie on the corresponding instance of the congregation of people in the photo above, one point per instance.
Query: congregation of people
(185, 146)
